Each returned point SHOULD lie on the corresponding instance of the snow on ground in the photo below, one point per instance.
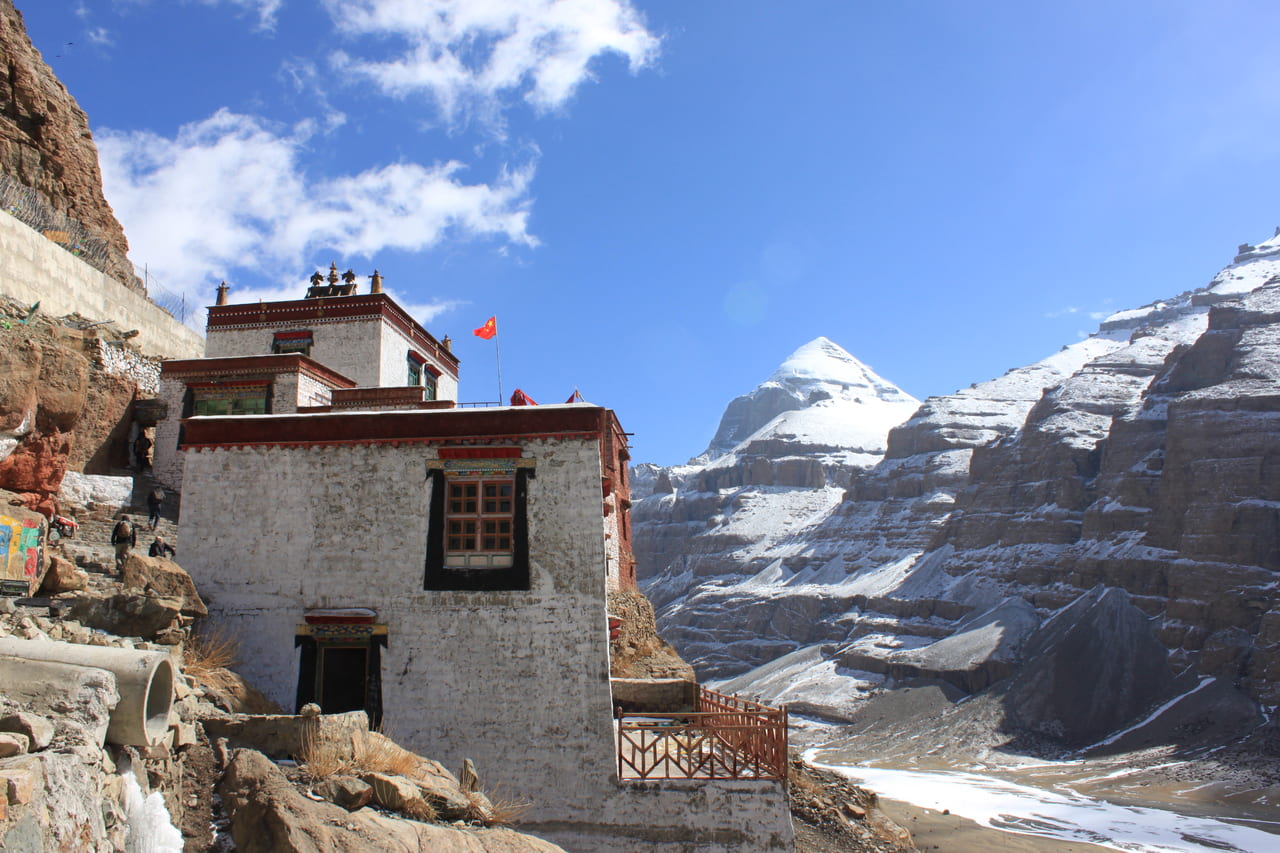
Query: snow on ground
(1068, 817)
(806, 682)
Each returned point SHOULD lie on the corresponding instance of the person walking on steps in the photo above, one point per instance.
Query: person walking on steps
(124, 538)
(155, 501)
(162, 549)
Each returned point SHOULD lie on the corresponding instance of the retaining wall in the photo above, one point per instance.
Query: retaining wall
(35, 269)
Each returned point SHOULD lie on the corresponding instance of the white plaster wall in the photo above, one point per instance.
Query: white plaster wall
(516, 681)
(166, 459)
(35, 269)
(395, 368)
(348, 346)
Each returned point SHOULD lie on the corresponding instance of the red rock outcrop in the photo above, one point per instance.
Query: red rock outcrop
(45, 144)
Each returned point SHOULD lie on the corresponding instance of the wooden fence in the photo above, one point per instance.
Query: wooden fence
(724, 738)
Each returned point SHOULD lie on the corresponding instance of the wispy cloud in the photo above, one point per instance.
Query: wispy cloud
(266, 10)
(229, 193)
(468, 55)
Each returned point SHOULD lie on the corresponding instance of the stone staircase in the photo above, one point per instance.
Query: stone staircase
(91, 548)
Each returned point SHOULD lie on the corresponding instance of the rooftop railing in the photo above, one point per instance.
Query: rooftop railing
(725, 737)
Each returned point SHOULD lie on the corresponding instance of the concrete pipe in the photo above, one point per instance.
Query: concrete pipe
(143, 679)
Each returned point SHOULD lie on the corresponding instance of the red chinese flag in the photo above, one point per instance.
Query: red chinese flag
(489, 329)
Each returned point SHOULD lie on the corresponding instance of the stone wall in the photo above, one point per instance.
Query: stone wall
(33, 269)
(119, 360)
(518, 681)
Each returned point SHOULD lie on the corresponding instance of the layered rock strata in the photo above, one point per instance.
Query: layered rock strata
(1141, 459)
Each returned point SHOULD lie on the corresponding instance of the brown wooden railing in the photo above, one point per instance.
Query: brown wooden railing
(724, 738)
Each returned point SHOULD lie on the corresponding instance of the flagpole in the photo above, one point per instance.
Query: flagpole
(498, 350)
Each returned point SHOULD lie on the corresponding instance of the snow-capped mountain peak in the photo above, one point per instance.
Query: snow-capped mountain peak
(822, 362)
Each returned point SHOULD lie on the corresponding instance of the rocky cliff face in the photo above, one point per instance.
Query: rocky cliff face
(66, 401)
(1141, 460)
(45, 145)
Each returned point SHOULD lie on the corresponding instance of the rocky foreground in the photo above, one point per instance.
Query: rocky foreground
(229, 772)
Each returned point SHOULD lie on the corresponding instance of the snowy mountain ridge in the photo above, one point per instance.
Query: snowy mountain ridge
(1140, 459)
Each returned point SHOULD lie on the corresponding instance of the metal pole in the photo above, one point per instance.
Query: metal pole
(498, 351)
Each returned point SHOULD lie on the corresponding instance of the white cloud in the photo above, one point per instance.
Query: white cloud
(228, 193)
(468, 54)
(101, 36)
(266, 10)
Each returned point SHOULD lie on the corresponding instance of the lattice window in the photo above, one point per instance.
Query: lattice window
(479, 523)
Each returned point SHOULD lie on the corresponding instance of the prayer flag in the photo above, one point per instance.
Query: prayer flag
(489, 329)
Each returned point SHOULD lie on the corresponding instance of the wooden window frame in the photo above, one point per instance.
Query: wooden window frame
(440, 575)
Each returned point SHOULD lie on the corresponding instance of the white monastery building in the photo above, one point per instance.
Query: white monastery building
(375, 545)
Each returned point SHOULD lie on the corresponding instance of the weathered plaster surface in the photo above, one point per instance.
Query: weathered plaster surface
(517, 681)
(348, 345)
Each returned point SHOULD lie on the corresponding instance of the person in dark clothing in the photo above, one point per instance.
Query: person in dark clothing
(142, 451)
(155, 501)
(161, 548)
(124, 537)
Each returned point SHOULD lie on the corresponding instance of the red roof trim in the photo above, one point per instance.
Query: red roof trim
(292, 336)
(393, 427)
(253, 364)
(331, 308)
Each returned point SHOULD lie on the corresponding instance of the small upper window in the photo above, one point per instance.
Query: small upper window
(299, 342)
(415, 362)
(231, 400)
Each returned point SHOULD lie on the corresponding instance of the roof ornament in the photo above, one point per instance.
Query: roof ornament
(222, 293)
(375, 282)
(349, 277)
(316, 278)
(333, 272)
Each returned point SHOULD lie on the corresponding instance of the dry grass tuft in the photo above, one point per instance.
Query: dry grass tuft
(421, 810)
(380, 754)
(321, 757)
(501, 811)
(208, 651)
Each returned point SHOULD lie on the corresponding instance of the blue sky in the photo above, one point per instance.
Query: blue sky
(661, 200)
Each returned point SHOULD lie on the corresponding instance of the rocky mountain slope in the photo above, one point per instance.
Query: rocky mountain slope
(1125, 484)
(779, 463)
(45, 145)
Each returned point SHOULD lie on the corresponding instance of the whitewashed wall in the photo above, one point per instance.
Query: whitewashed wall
(517, 681)
(348, 346)
(166, 459)
(395, 368)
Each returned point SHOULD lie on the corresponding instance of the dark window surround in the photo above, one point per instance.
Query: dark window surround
(438, 576)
